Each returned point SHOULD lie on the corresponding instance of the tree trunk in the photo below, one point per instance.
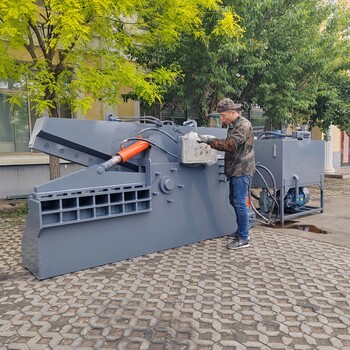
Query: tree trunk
(55, 170)
(204, 120)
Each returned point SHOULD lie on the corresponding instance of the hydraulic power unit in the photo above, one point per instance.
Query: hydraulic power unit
(294, 164)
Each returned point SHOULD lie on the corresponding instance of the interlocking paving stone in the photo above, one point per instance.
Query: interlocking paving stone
(283, 292)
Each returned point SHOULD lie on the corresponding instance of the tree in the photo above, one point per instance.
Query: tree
(285, 61)
(75, 51)
(203, 58)
(301, 49)
(333, 96)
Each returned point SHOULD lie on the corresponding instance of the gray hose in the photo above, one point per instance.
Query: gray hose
(266, 219)
(159, 130)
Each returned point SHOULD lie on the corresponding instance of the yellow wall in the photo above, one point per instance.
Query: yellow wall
(335, 137)
(316, 133)
(129, 109)
(99, 111)
(95, 112)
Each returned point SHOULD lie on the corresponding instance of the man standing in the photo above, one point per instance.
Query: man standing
(239, 164)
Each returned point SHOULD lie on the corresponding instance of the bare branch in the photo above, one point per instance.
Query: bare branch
(30, 47)
(247, 89)
(39, 38)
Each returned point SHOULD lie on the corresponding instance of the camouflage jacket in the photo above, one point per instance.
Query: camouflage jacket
(238, 147)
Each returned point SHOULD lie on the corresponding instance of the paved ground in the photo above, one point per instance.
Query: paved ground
(289, 290)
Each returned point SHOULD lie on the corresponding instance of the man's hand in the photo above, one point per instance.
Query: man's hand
(205, 139)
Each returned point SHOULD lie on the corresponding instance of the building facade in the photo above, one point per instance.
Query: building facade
(22, 168)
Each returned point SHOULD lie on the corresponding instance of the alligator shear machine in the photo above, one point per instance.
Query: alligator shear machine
(145, 186)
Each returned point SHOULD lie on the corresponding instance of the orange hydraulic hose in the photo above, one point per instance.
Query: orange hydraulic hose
(132, 150)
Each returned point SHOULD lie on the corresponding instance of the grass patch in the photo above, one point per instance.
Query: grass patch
(20, 210)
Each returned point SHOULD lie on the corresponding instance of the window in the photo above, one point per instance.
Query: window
(14, 126)
(17, 122)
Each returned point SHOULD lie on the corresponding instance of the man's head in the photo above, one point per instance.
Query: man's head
(228, 110)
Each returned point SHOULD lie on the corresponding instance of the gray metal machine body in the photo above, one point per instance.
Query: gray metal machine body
(96, 216)
(295, 164)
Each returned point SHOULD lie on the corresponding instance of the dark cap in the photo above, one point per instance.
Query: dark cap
(227, 105)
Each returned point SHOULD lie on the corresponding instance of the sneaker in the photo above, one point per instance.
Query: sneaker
(234, 236)
(237, 244)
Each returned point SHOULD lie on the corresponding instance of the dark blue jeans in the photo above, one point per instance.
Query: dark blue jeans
(238, 193)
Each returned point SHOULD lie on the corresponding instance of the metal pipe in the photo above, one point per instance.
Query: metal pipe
(273, 133)
(296, 178)
(151, 119)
